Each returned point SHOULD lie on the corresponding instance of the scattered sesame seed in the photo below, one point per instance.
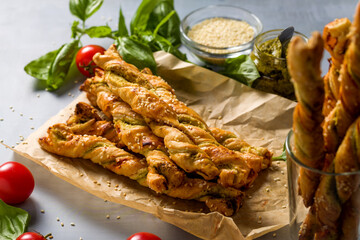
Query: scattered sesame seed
(105, 200)
(118, 217)
(69, 94)
(1, 140)
(13, 110)
(282, 172)
(259, 221)
(276, 179)
(31, 118)
(108, 216)
(21, 114)
(62, 224)
(278, 162)
(284, 206)
(249, 196)
(32, 128)
(72, 224)
(51, 237)
(285, 185)
(38, 95)
(42, 211)
(57, 219)
(267, 189)
(1, 119)
(12, 146)
(81, 238)
(274, 235)
(11, 107)
(81, 174)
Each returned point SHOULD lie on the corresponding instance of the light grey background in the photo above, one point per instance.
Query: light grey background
(29, 29)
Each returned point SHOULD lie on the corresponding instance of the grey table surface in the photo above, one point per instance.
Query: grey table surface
(29, 29)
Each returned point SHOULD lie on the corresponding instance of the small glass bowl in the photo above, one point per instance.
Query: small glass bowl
(273, 70)
(297, 210)
(215, 55)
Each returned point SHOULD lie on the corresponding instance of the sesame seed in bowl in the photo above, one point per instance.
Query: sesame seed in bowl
(218, 32)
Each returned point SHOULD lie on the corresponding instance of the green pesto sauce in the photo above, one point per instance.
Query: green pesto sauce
(271, 47)
(273, 70)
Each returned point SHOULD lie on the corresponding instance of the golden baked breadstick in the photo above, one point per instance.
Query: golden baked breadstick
(335, 42)
(350, 217)
(62, 141)
(202, 136)
(88, 120)
(304, 67)
(347, 159)
(232, 142)
(347, 107)
(135, 88)
(135, 134)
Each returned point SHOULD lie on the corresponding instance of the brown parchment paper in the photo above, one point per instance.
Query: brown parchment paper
(261, 119)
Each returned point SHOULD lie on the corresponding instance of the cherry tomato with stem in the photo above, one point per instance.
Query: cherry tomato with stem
(143, 236)
(84, 59)
(16, 183)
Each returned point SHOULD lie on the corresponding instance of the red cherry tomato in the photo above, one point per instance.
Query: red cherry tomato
(84, 59)
(31, 236)
(143, 236)
(16, 182)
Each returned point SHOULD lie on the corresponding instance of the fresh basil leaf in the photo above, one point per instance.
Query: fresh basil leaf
(281, 157)
(242, 69)
(83, 9)
(122, 30)
(40, 67)
(170, 28)
(136, 52)
(99, 32)
(157, 43)
(141, 17)
(61, 64)
(75, 30)
(13, 221)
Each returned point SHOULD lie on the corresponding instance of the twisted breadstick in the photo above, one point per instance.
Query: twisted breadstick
(62, 141)
(304, 67)
(88, 120)
(232, 142)
(135, 135)
(335, 42)
(347, 108)
(137, 89)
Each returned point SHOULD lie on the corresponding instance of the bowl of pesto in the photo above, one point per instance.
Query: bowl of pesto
(270, 61)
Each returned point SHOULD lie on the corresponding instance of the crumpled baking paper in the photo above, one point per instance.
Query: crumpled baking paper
(259, 118)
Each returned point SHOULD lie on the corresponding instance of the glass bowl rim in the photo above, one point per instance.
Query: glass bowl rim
(276, 30)
(298, 162)
(233, 49)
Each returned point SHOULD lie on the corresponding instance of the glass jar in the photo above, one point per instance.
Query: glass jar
(274, 75)
(350, 210)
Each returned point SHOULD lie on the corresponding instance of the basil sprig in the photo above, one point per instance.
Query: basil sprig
(13, 221)
(154, 27)
(242, 69)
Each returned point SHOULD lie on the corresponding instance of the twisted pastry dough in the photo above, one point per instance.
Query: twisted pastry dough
(62, 141)
(347, 108)
(304, 67)
(136, 88)
(135, 134)
(335, 42)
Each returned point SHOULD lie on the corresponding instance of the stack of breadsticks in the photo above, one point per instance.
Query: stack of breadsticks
(136, 127)
(327, 129)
